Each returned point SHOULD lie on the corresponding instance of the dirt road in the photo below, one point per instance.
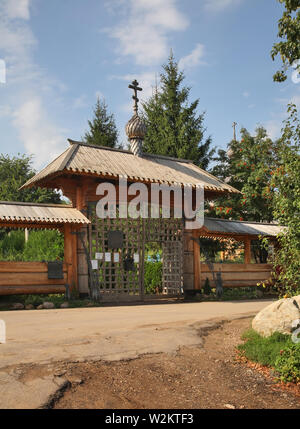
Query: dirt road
(202, 377)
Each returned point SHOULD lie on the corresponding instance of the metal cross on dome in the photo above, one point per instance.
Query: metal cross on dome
(135, 86)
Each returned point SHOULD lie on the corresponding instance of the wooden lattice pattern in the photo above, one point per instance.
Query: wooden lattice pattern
(115, 282)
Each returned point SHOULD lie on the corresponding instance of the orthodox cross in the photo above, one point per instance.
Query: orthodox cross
(135, 86)
(234, 132)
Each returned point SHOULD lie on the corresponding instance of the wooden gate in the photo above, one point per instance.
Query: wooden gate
(119, 267)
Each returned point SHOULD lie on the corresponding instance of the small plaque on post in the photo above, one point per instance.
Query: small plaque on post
(115, 239)
(55, 270)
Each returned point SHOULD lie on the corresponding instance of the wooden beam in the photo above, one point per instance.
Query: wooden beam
(31, 289)
(197, 264)
(247, 247)
(70, 256)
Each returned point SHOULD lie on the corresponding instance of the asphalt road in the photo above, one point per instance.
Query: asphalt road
(110, 333)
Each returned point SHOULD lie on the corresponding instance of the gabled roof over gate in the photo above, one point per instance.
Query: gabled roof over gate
(19, 213)
(81, 158)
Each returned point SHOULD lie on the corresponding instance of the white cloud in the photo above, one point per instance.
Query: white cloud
(26, 84)
(246, 94)
(193, 59)
(39, 136)
(17, 9)
(143, 32)
(273, 128)
(219, 5)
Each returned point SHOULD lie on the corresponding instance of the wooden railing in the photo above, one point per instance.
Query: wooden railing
(237, 275)
(29, 278)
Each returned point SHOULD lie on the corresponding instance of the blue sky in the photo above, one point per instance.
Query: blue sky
(61, 54)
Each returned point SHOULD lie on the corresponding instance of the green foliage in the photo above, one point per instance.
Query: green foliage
(103, 130)
(37, 300)
(44, 246)
(14, 172)
(207, 288)
(234, 294)
(12, 246)
(285, 184)
(288, 363)
(173, 126)
(41, 246)
(289, 32)
(153, 277)
(247, 166)
(277, 351)
(264, 350)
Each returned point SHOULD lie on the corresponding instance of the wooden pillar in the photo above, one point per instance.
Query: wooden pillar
(70, 256)
(197, 266)
(247, 250)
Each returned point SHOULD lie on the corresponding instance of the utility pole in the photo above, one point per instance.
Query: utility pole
(234, 131)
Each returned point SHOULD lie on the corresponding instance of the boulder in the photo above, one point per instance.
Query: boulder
(48, 305)
(17, 306)
(277, 317)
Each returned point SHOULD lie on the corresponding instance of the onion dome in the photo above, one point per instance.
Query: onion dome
(136, 128)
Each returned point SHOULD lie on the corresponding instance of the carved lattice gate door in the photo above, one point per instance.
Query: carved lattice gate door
(119, 265)
(168, 232)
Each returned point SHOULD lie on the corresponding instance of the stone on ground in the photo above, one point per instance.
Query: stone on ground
(277, 317)
(48, 305)
(17, 306)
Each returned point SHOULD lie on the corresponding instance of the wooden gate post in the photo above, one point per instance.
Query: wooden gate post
(197, 266)
(70, 256)
(247, 250)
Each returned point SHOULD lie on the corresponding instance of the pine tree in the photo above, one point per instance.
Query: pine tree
(173, 126)
(103, 130)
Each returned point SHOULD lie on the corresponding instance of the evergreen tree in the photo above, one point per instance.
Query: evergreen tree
(173, 126)
(103, 130)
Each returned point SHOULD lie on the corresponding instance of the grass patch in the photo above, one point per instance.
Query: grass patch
(276, 351)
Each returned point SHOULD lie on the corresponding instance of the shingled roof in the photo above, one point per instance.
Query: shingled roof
(81, 158)
(19, 212)
(235, 227)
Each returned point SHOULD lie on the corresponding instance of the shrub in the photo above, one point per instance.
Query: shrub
(12, 246)
(287, 363)
(153, 277)
(44, 246)
(277, 351)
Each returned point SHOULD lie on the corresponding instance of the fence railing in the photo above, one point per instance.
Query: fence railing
(29, 278)
(237, 275)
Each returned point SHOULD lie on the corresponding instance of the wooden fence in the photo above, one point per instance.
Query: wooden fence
(237, 275)
(29, 278)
